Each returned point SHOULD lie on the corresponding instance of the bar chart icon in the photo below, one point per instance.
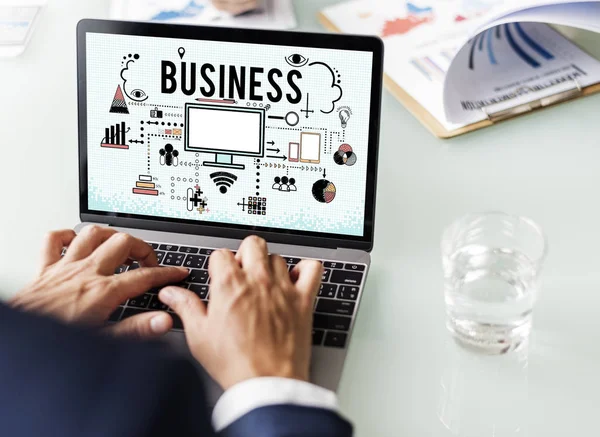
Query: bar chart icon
(145, 186)
(114, 137)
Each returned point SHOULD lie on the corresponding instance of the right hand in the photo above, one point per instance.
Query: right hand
(259, 321)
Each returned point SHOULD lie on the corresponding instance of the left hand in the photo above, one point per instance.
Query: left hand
(81, 287)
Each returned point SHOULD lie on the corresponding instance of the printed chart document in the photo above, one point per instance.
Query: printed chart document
(271, 14)
(460, 58)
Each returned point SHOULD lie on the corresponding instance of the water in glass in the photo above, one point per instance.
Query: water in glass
(489, 291)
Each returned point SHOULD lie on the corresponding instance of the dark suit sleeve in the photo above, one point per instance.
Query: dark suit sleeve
(58, 381)
(289, 421)
(61, 381)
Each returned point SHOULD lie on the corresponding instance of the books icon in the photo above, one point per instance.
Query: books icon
(145, 186)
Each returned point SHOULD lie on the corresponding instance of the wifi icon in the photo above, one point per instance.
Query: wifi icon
(223, 180)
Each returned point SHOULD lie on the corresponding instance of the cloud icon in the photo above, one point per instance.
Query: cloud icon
(131, 78)
(321, 77)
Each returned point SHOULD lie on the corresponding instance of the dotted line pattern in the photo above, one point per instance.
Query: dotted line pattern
(148, 143)
(271, 165)
(153, 105)
(307, 168)
(284, 128)
(173, 137)
(257, 164)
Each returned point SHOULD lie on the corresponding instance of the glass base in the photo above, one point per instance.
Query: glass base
(490, 339)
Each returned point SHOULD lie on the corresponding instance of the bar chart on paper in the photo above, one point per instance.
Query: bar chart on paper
(433, 66)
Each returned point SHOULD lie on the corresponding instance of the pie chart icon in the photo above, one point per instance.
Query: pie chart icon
(323, 191)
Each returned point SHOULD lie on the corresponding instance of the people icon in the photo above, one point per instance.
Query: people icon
(169, 156)
(277, 184)
(292, 185)
(285, 184)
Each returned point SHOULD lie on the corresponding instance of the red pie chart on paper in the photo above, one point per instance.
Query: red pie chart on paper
(323, 191)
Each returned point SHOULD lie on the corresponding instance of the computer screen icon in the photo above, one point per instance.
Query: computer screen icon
(226, 131)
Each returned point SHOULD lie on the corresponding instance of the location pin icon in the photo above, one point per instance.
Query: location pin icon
(181, 52)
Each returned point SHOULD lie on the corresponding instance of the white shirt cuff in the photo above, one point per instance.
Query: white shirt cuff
(255, 393)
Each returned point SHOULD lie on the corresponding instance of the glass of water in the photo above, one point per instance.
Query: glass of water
(492, 263)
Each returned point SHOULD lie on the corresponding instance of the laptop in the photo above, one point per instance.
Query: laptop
(192, 138)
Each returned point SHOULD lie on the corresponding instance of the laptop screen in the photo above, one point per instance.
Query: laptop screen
(254, 136)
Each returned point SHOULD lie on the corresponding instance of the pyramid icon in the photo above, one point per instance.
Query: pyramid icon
(118, 105)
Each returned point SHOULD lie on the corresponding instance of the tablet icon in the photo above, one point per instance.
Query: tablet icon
(310, 147)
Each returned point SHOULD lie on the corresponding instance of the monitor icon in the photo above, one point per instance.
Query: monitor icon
(226, 131)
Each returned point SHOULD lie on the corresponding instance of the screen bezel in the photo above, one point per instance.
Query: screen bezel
(298, 39)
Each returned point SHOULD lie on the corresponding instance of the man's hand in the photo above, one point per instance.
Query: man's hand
(236, 7)
(259, 321)
(82, 288)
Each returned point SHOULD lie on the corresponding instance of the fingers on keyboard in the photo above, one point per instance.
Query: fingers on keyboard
(334, 309)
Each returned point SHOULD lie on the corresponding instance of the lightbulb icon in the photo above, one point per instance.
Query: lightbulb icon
(344, 117)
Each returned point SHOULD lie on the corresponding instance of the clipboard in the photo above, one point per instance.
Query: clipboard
(492, 117)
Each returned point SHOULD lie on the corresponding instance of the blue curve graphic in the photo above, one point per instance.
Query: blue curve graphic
(414, 9)
(535, 46)
(481, 42)
(490, 49)
(472, 53)
(191, 10)
(518, 50)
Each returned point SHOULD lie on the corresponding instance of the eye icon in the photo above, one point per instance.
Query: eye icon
(296, 60)
(138, 95)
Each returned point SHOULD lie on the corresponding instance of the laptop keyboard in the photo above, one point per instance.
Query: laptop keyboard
(334, 308)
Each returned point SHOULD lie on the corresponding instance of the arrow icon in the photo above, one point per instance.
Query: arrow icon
(278, 157)
(136, 141)
(272, 143)
(152, 122)
(274, 150)
(325, 173)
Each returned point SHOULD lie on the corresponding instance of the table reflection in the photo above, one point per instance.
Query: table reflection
(484, 395)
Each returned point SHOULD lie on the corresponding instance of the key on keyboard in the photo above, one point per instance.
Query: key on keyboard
(200, 290)
(317, 337)
(157, 305)
(188, 249)
(346, 292)
(174, 259)
(335, 307)
(346, 277)
(325, 321)
(140, 301)
(194, 261)
(198, 277)
(327, 290)
(335, 339)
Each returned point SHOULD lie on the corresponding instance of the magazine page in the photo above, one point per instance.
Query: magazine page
(513, 64)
